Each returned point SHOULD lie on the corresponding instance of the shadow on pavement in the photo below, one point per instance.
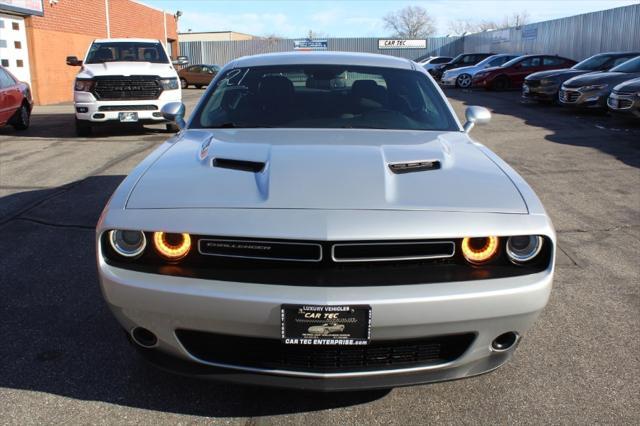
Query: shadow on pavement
(612, 135)
(62, 126)
(60, 338)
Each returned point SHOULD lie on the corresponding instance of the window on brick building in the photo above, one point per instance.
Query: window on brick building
(17, 45)
(4, 62)
(15, 25)
(19, 63)
(3, 43)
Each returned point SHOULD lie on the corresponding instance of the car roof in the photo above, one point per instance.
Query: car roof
(323, 58)
(138, 40)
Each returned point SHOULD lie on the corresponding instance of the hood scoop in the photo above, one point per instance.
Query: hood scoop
(243, 165)
(414, 166)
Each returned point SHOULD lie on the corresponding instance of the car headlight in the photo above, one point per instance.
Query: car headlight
(481, 74)
(128, 243)
(523, 248)
(172, 246)
(593, 87)
(169, 83)
(479, 250)
(83, 85)
(546, 82)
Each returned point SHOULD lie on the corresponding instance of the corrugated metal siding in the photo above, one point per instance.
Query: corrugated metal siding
(221, 52)
(575, 37)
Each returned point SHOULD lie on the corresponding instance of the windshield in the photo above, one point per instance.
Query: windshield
(632, 65)
(512, 62)
(324, 96)
(127, 51)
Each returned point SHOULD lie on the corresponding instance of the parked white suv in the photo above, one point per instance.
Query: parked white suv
(123, 80)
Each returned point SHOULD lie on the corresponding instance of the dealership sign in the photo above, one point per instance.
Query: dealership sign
(309, 44)
(23, 7)
(402, 44)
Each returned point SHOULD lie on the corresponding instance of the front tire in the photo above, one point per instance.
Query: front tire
(83, 128)
(183, 83)
(463, 81)
(22, 119)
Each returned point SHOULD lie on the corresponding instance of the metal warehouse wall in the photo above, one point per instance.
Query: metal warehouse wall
(221, 52)
(576, 37)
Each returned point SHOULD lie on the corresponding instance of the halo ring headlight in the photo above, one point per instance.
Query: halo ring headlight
(479, 250)
(172, 246)
(128, 243)
(523, 248)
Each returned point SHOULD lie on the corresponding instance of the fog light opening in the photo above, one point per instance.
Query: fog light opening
(505, 341)
(143, 337)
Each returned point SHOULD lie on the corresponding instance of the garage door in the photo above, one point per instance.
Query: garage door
(14, 54)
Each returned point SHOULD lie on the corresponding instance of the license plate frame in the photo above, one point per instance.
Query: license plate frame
(322, 325)
(128, 117)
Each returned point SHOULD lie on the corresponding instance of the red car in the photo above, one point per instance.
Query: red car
(15, 101)
(512, 73)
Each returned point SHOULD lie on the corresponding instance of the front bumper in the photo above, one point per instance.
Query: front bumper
(595, 99)
(88, 108)
(164, 304)
(624, 104)
(540, 92)
(449, 81)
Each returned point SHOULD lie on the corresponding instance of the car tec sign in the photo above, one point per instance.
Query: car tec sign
(402, 44)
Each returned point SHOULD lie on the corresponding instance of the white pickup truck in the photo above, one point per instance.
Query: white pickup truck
(124, 80)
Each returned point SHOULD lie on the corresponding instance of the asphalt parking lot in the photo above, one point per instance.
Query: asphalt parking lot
(64, 359)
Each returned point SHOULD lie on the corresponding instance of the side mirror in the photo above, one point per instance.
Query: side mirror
(73, 61)
(476, 115)
(174, 112)
(181, 60)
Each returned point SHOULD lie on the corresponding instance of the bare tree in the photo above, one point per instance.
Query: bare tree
(518, 19)
(410, 22)
(316, 34)
(462, 26)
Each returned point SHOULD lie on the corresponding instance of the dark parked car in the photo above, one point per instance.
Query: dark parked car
(512, 73)
(462, 60)
(625, 98)
(15, 101)
(545, 85)
(197, 75)
(592, 90)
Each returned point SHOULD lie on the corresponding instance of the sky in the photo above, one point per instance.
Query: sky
(356, 18)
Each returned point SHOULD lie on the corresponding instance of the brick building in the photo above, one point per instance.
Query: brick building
(36, 36)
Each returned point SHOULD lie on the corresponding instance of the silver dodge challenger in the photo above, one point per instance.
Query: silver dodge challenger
(325, 188)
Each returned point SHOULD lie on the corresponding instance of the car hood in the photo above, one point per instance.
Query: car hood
(561, 74)
(326, 169)
(126, 68)
(610, 78)
(629, 86)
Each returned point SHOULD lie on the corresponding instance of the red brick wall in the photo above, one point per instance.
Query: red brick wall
(68, 27)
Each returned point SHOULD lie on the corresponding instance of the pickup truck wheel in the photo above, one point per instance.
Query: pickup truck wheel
(22, 118)
(198, 86)
(172, 128)
(83, 128)
(183, 83)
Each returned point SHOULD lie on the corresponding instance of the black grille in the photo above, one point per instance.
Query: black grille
(128, 108)
(272, 354)
(569, 95)
(133, 87)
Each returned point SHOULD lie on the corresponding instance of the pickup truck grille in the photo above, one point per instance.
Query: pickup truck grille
(130, 88)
